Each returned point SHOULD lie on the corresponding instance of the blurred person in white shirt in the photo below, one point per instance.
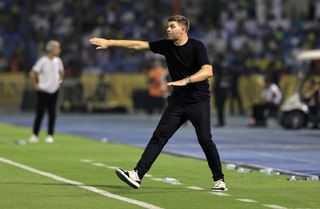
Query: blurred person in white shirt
(47, 76)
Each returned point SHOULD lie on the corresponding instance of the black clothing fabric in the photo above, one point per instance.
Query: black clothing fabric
(221, 88)
(184, 61)
(174, 116)
(313, 102)
(235, 95)
(45, 101)
(260, 115)
(220, 100)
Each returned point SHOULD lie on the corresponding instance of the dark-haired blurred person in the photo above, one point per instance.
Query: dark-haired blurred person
(46, 76)
(271, 98)
(189, 68)
(221, 88)
(100, 92)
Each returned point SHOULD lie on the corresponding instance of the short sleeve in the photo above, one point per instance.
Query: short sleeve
(201, 53)
(159, 47)
(61, 67)
(38, 66)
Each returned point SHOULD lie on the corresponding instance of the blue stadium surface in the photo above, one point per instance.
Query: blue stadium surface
(296, 151)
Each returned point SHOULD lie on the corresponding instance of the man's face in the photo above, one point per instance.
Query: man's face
(175, 30)
(57, 50)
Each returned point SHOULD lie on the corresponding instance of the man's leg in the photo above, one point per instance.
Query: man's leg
(259, 115)
(199, 115)
(41, 106)
(52, 103)
(171, 120)
(220, 102)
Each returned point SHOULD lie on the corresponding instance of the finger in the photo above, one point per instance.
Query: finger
(92, 40)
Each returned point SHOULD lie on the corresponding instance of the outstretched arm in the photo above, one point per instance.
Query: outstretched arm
(102, 43)
(204, 73)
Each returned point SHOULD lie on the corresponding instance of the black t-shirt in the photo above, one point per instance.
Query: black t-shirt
(184, 61)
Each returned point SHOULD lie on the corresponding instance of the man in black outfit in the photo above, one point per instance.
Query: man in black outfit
(189, 69)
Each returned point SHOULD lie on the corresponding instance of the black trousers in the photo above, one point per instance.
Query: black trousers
(220, 100)
(173, 117)
(260, 114)
(45, 101)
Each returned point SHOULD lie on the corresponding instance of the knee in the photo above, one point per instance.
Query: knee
(158, 138)
(52, 115)
(205, 140)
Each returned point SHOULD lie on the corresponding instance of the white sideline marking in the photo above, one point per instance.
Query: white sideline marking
(157, 179)
(99, 164)
(79, 184)
(220, 194)
(105, 166)
(247, 200)
(275, 206)
(86, 161)
(148, 175)
(195, 188)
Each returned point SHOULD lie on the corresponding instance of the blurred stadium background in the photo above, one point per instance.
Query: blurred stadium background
(246, 38)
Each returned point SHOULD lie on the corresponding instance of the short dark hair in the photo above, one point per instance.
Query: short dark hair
(181, 20)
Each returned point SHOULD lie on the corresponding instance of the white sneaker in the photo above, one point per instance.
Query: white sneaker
(129, 177)
(33, 139)
(219, 185)
(49, 139)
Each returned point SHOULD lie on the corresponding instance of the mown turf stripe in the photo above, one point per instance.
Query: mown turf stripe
(79, 184)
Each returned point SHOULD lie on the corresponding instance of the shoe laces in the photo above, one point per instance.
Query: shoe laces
(219, 183)
(134, 175)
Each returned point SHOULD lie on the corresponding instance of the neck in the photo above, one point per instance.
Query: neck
(182, 40)
(50, 55)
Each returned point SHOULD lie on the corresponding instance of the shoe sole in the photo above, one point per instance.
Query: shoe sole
(126, 179)
(49, 142)
(219, 189)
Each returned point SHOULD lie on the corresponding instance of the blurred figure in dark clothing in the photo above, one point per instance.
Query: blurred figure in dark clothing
(221, 87)
(100, 92)
(312, 98)
(236, 70)
(271, 98)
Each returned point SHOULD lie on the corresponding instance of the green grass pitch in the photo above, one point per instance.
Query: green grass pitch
(21, 189)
